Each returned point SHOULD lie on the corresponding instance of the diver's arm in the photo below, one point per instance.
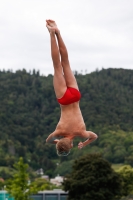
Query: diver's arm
(52, 138)
(91, 137)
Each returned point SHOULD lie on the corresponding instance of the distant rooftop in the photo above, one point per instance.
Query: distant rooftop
(55, 191)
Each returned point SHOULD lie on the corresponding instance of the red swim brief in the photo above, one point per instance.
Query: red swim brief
(71, 95)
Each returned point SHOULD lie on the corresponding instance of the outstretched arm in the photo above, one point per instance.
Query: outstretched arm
(91, 137)
(52, 138)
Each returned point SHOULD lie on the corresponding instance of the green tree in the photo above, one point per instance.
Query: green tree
(92, 178)
(43, 184)
(19, 186)
(126, 173)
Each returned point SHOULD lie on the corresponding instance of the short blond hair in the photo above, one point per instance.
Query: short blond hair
(63, 147)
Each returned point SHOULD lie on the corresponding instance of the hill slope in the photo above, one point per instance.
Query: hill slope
(29, 112)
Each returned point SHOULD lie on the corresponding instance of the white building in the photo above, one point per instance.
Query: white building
(57, 180)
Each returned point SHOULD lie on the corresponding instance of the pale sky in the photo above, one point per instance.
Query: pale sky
(97, 33)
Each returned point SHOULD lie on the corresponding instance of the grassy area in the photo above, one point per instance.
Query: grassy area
(117, 166)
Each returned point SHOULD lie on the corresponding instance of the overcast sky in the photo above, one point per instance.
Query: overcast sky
(97, 33)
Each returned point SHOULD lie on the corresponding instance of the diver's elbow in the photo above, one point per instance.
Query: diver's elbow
(47, 140)
(95, 137)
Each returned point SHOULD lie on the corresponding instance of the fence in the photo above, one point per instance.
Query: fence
(5, 196)
(42, 195)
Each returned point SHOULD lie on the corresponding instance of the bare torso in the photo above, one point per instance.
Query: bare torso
(71, 123)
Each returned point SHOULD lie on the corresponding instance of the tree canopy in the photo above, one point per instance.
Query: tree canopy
(126, 173)
(92, 178)
(21, 187)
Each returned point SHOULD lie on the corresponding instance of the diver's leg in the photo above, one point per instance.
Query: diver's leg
(68, 74)
(58, 80)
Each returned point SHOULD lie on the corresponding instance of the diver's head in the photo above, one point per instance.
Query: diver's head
(64, 146)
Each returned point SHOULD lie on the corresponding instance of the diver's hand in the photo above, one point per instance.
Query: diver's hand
(55, 141)
(80, 145)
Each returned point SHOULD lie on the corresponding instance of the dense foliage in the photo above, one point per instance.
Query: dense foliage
(29, 112)
(20, 187)
(92, 178)
(126, 173)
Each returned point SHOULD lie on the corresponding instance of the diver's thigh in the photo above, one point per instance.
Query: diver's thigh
(69, 76)
(59, 84)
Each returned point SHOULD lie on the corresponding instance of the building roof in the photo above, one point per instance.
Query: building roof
(55, 191)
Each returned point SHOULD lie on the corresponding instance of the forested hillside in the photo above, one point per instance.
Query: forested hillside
(29, 112)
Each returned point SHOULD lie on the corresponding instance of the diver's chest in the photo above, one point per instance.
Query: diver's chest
(72, 127)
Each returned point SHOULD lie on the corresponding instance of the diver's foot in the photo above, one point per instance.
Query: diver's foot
(53, 25)
(50, 29)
